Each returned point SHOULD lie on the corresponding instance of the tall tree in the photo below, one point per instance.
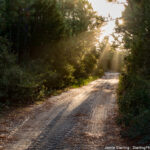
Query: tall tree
(134, 98)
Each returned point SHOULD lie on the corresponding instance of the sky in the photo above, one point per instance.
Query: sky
(107, 9)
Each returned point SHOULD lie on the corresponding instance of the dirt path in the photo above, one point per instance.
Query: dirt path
(82, 118)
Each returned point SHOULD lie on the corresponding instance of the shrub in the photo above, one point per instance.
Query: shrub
(15, 83)
(134, 105)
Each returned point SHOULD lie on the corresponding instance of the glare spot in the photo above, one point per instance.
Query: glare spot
(120, 21)
(108, 10)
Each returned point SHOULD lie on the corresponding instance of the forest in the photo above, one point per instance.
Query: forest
(49, 45)
(45, 47)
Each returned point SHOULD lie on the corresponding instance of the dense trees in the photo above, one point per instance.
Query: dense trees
(44, 45)
(134, 88)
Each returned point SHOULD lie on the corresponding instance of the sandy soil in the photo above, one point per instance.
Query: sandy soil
(82, 118)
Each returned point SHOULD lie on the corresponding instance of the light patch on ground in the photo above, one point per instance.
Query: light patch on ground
(81, 118)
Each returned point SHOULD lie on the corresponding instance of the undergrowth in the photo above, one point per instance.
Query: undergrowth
(134, 108)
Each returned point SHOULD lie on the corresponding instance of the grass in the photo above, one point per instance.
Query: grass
(78, 83)
(83, 82)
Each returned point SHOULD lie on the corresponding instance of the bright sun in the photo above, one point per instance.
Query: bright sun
(112, 10)
(120, 21)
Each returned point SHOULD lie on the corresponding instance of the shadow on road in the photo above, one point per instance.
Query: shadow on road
(86, 122)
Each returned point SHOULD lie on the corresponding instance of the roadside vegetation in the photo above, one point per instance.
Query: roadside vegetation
(50, 45)
(44, 46)
(47, 46)
(134, 86)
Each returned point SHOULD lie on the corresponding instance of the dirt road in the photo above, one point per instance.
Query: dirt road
(80, 118)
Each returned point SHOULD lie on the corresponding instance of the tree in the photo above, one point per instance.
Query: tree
(45, 46)
(133, 93)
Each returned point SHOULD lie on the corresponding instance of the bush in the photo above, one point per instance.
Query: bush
(134, 105)
(48, 50)
(9, 72)
(15, 83)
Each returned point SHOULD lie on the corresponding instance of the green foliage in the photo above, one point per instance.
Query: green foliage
(134, 87)
(44, 46)
(82, 82)
(9, 71)
(15, 84)
(134, 97)
(136, 37)
(134, 107)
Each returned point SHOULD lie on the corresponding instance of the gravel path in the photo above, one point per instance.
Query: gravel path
(79, 119)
